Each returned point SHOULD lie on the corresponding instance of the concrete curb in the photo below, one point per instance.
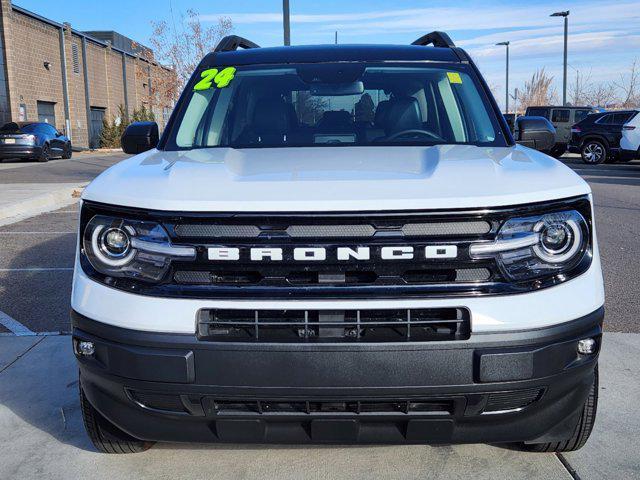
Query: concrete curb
(40, 203)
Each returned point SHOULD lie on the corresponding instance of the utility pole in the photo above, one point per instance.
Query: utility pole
(286, 22)
(566, 36)
(336, 37)
(506, 96)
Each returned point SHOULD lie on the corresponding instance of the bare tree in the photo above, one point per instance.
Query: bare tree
(601, 95)
(629, 85)
(537, 91)
(183, 44)
(579, 90)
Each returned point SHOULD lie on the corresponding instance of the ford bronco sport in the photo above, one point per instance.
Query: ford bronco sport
(337, 244)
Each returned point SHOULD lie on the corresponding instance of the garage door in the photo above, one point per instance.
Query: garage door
(47, 112)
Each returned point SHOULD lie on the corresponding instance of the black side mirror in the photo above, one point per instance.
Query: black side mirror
(140, 137)
(535, 132)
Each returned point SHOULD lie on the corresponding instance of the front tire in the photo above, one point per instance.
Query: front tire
(557, 151)
(594, 152)
(583, 429)
(106, 437)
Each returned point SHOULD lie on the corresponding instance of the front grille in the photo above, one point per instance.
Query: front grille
(431, 229)
(353, 248)
(344, 326)
(276, 276)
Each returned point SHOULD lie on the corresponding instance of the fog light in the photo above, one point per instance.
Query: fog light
(86, 348)
(587, 346)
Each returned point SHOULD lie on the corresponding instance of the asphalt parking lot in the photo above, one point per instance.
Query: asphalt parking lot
(40, 426)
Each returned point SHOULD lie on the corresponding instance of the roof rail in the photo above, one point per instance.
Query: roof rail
(233, 42)
(437, 39)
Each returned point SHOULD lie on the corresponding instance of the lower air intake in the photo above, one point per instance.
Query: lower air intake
(342, 326)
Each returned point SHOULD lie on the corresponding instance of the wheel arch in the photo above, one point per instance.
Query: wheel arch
(594, 136)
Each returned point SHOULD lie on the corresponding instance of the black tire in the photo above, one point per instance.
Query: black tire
(106, 437)
(557, 151)
(594, 152)
(67, 152)
(583, 428)
(45, 154)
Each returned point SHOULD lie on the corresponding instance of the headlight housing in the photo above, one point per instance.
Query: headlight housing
(536, 246)
(141, 250)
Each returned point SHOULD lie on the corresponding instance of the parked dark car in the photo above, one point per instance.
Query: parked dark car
(561, 118)
(597, 137)
(33, 140)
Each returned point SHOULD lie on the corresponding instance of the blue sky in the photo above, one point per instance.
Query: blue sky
(604, 35)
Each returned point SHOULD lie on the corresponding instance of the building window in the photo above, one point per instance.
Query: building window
(75, 58)
(47, 112)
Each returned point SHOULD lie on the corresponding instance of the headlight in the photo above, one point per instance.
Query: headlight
(532, 247)
(136, 249)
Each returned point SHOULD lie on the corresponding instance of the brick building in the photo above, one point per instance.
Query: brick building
(72, 79)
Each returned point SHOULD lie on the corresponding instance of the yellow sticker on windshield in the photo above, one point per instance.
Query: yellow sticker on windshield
(214, 78)
(454, 77)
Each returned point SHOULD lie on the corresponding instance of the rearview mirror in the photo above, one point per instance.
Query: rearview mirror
(335, 89)
(140, 137)
(535, 132)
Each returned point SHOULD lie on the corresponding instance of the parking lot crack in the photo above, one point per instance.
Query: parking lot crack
(22, 354)
(570, 470)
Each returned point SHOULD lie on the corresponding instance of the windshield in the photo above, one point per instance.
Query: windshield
(342, 104)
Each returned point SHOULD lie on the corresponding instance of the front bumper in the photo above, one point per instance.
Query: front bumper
(496, 387)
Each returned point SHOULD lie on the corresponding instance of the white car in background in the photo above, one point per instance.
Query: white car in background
(630, 141)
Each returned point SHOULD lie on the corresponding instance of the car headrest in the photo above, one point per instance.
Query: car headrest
(402, 114)
(381, 112)
(271, 115)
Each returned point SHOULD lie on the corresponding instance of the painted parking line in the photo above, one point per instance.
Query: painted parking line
(14, 326)
(37, 233)
(36, 269)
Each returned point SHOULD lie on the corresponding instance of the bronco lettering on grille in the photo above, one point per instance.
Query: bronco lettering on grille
(315, 254)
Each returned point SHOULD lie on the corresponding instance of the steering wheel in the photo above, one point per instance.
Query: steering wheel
(414, 131)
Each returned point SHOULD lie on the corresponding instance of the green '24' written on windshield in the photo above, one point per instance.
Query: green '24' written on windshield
(214, 78)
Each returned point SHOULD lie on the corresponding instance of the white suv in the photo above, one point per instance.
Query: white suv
(630, 141)
(337, 244)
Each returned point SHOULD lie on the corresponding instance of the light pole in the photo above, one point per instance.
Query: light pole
(566, 35)
(506, 97)
(286, 22)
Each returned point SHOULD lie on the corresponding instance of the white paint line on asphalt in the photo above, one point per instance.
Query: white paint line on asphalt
(37, 269)
(37, 233)
(14, 326)
(35, 334)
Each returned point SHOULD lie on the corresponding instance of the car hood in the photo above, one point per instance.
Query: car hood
(335, 179)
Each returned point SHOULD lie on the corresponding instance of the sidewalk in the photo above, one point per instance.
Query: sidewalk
(24, 200)
(31, 188)
(41, 435)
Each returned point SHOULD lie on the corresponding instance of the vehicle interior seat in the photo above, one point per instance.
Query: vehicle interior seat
(403, 113)
(271, 123)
